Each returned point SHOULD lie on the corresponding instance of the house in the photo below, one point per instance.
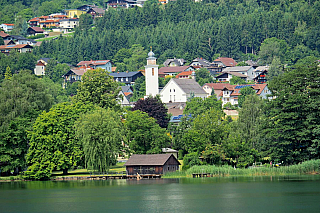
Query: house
(96, 12)
(174, 62)
(4, 35)
(41, 66)
(103, 64)
(225, 62)
(176, 109)
(34, 22)
(74, 74)
(216, 87)
(231, 93)
(258, 70)
(21, 40)
(171, 71)
(125, 93)
(68, 23)
(21, 48)
(252, 63)
(7, 27)
(261, 78)
(186, 75)
(200, 62)
(179, 90)
(226, 76)
(155, 164)
(170, 151)
(122, 3)
(74, 13)
(8, 42)
(244, 70)
(35, 30)
(48, 23)
(126, 77)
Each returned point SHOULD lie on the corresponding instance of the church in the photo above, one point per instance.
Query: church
(176, 90)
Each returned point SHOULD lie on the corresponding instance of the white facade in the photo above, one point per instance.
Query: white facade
(151, 74)
(7, 27)
(39, 70)
(68, 23)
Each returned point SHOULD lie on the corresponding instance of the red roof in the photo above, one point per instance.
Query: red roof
(9, 24)
(217, 86)
(34, 19)
(44, 17)
(236, 92)
(13, 46)
(98, 62)
(40, 64)
(60, 16)
(229, 62)
(48, 21)
(184, 73)
(127, 93)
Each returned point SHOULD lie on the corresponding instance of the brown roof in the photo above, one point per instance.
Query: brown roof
(34, 19)
(236, 92)
(127, 93)
(143, 160)
(229, 62)
(217, 86)
(113, 69)
(40, 64)
(97, 62)
(13, 46)
(7, 42)
(3, 34)
(37, 29)
(164, 70)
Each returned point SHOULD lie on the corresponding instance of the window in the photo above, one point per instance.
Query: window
(174, 90)
(153, 73)
(170, 90)
(227, 99)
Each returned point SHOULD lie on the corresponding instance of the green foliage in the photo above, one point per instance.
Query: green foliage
(244, 93)
(101, 133)
(242, 63)
(8, 74)
(85, 21)
(36, 36)
(1, 41)
(190, 160)
(198, 105)
(235, 80)
(144, 134)
(98, 87)
(203, 76)
(55, 70)
(53, 145)
(139, 89)
(276, 68)
(22, 98)
(271, 48)
(292, 121)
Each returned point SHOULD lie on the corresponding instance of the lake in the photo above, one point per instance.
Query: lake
(231, 194)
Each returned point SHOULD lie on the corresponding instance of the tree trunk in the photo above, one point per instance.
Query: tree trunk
(65, 171)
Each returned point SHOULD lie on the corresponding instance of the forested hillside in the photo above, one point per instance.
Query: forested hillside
(230, 28)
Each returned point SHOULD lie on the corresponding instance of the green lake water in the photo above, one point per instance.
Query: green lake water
(241, 194)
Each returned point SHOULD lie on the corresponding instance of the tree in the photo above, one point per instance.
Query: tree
(144, 134)
(235, 80)
(8, 74)
(85, 21)
(55, 71)
(101, 133)
(198, 105)
(244, 93)
(155, 108)
(20, 27)
(139, 89)
(53, 145)
(292, 118)
(22, 98)
(1, 41)
(98, 87)
(275, 69)
(273, 47)
(203, 76)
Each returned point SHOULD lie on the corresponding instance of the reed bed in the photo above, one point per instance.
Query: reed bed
(307, 167)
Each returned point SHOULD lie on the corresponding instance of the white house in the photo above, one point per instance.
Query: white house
(69, 23)
(179, 90)
(226, 76)
(244, 70)
(231, 93)
(7, 27)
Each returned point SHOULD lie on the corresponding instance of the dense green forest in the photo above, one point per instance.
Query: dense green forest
(283, 30)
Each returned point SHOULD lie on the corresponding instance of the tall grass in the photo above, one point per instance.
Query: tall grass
(307, 167)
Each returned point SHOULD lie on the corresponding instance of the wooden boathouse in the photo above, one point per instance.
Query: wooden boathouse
(150, 166)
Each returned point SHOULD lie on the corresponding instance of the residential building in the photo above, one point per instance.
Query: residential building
(125, 94)
(74, 13)
(4, 35)
(200, 62)
(21, 48)
(226, 76)
(244, 70)
(179, 90)
(21, 40)
(34, 22)
(74, 74)
(174, 62)
(35, 30)
(69, 23)
(171, 71)
(127, 78)
(7, 27)
(154, 164)
(216, 87)
(257, 71)
(231, 93)
(123, 3)
(103, 64)
(225, 62)
(186, 75)
(8, 42)
(41, 66)
(261, 78)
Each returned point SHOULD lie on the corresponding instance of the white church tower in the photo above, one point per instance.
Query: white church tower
(151, 74)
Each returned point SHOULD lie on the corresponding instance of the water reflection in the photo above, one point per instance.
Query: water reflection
(233, 194)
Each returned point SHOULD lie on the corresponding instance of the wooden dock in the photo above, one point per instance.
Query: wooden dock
(107, 177)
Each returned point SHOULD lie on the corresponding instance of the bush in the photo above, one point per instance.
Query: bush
(37, 36)
(190, 160)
